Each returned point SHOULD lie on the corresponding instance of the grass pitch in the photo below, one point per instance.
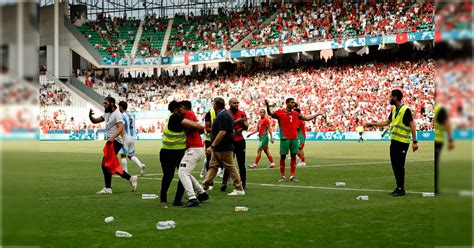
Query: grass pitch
(310, 213)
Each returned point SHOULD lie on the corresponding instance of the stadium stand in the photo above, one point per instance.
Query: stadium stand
(111, 37)
(343, 19)
(214, 32)
(152, 38)
(364, 86)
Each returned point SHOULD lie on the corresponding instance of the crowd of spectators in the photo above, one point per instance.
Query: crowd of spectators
(64, 120)
(350, 94)
(303, 23)
(454, 15)
(454, 90)
(154, 29)
(113, 36)
(215, 32)
(51, 94)
(307, 21)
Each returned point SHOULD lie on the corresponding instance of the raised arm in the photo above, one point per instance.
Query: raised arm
(310, 117)
(95, 120)
(269, 111)
(252, 133)
(379, 124)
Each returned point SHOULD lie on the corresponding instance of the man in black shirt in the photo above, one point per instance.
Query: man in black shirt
(222, 148)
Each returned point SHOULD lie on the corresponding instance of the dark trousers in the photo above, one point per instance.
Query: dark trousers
(107, 175)
(208, 158)
(398, 153)
(170, 160)
(208, 155)
(239, 153)
(438, 148)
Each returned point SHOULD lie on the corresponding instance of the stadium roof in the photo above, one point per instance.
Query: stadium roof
(138, 8)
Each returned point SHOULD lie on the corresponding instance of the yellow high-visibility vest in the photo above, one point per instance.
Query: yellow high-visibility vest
(440, 128)
(399, 131)
(173, 140)
(213, 117)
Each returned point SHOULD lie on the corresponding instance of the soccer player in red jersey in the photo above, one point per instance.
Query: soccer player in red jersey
(263, 129)
(289, 121)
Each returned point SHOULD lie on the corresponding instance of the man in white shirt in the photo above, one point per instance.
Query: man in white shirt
(113, 128)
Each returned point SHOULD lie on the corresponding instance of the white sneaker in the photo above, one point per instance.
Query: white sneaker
(142, 169)
(210, 188)
(237, 192)
(253, 166)
(272, 165)
(220, 172)
(282, 179)
(302, 164)
(133, 182)
(105, 191)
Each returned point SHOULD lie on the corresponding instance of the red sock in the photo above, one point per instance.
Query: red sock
(302, 158)
(271, 159)
(257, 159)
(293, 166)
(282, 167)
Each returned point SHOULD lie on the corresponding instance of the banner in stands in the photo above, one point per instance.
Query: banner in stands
(373, 40)
(146, 61)
(307, 47)
(194, 57)
(399, 38)
(343, 43)
(115, 61)
(456, 34)
(257, 52)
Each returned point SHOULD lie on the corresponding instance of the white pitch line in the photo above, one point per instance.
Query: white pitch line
(317, 166)
(327, 188)
(307, 187)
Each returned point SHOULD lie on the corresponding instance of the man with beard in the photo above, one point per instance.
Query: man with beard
(240, 125)
(113, 128)
(401, 124)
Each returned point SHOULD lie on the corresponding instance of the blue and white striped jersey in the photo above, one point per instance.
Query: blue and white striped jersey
(129, 124)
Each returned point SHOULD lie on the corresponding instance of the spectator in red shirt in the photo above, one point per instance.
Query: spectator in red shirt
(240, 124)
(194, 153)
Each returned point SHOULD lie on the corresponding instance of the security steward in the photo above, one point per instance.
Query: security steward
(401, 125)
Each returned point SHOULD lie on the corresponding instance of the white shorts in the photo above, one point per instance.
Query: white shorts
(128, 147)
(191, 158)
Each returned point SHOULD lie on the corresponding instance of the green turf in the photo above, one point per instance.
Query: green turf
(313, 214)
